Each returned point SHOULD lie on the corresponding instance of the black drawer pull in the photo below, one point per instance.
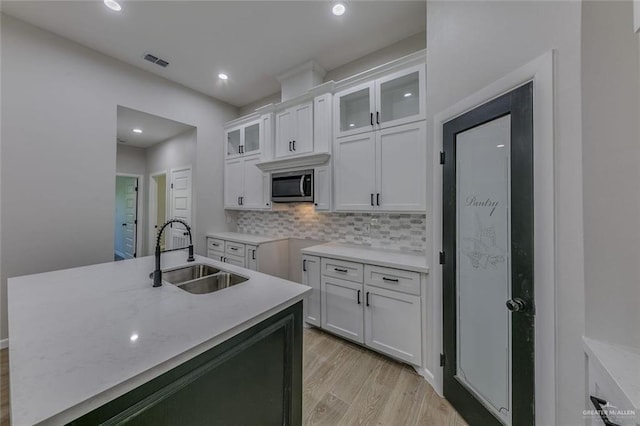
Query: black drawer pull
(372, 119)
(393, 280)
(358, 297)
(304, 265)
(344, 271)
(234, 248)
(598, 403)
(372, 199)
(253, 256)
(378, 117)
(215, 244)
(367, 297)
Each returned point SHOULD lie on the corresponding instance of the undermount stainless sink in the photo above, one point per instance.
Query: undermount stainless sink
(188, 273)
(201, 278)
(212, 283)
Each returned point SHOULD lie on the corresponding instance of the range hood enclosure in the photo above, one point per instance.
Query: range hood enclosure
(300, 80)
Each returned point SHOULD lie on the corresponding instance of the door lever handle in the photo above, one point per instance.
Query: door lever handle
(516, 304)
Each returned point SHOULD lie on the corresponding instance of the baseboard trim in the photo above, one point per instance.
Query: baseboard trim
(429, 377)
(4, 343)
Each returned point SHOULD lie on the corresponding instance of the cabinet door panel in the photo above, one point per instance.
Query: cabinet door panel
(284, 133)
(322, 191)
(311, 277)
(400, 97)
(341, 312)
(233, 182)
(254, 196)
(303, 134)
(235, 260)
(401, 167)
(353, 108)
(251, 142)
(233, 138)
(251, 257)
(355, 171)
(392, 324)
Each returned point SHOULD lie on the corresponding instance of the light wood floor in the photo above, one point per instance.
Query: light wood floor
(344, 384)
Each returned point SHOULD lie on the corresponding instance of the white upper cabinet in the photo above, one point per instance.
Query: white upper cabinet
(255, 194)
(322, 188)
(382, 171)
(388, 101)
(233, 182)
(244, 139)
(294, 130)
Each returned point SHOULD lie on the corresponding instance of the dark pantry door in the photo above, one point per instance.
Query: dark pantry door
(488, 261)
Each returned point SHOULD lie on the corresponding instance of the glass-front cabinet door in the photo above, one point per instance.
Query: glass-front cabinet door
(251, 143)
(354, 110)
(234, 142)
(400, 97)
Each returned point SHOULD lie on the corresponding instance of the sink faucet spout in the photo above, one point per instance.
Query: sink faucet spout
(157, 273)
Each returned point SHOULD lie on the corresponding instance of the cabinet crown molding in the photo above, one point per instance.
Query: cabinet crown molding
(309, 160)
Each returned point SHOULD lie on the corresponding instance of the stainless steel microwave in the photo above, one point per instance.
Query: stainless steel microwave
(292, 187)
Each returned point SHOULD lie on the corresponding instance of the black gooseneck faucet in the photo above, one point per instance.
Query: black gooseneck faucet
(157, 273)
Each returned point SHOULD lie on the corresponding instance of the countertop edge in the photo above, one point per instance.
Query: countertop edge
(395, 265)
(236, 239)
(99, 400)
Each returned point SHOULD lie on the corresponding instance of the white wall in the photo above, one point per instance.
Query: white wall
(472, 44)
(59, 153)
(131, 160)
(394, 51)
(611, 165)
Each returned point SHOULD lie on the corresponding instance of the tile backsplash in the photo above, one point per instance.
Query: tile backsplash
(387, 230)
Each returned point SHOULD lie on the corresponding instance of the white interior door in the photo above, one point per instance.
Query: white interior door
(126, 216)
(181, 196)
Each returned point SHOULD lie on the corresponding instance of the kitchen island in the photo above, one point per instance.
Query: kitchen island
(99, 344)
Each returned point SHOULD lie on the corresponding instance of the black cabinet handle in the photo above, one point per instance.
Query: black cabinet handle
(358, 297)
(253, 257)
(598, 403)
(215, 244)
(304, 265)
(344, 271)
(185, 233)
(124, 224)
(378, 117)
(378, 198)
(241, 201)
(372, 119)
(238, 200)
(233, 248)
(367, 297)
(372, 198)
(289, 146)
(294, 145)
(393, 280)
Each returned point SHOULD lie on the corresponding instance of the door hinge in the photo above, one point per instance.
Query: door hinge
(442, 359)
(442, 258)
(136, 189)
(135, 222)
(441, 157)
(135, 254)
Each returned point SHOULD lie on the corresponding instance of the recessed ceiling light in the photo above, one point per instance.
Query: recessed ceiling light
(499, 146)
(137, 130)
(407, 95)
(133, 337)
(352, 125)
(223, 76)
(113, 5)
(338, 9)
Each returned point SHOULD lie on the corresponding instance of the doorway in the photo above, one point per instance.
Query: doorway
(158, 207)
(126, 217)
(488, 241)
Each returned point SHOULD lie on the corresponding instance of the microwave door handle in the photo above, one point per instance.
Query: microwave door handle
(302, 186)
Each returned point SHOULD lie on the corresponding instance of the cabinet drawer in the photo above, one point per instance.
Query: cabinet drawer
(393, 279)
(216, 255)
(342, 269)
(234, 249)
(215, 244)
(235, 260)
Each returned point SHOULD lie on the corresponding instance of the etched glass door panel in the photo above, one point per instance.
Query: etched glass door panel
(483, 262)
(400, 98)
(355, 110)
(252, 138)
(233, 143)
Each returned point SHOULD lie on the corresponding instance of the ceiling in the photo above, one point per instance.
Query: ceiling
(251, 41)
(154, 129)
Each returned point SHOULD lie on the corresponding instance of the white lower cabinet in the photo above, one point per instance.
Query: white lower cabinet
(252, 257)
(234, 260)
(377, 306)
(311, 277)
(342, 308)
(392, 323)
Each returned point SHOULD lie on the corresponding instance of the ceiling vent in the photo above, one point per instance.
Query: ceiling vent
(154, 59)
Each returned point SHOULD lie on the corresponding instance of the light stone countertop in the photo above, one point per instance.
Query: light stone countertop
(238, 237)
(70, 331)
(389, 258)
(621, 363)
